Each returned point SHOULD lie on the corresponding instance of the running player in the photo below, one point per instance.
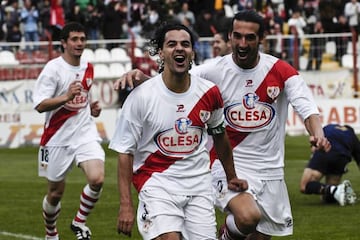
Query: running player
(257, 89)
(161, 139)
(70, 134)
(332, 165)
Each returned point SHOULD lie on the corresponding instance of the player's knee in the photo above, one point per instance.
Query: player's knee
(96, 185)
(54, 197)
(248, 220)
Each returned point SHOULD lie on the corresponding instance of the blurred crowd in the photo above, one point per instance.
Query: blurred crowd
(31, 20)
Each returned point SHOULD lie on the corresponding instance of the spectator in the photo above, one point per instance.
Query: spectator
(296, 24)
(76, 15)
(84, 3)
(12, 17)
(317, 45)
(29, 16)
(185, 12)
(93, 19)
(332, 165)
(276, 44)
(352, 11)
(2, 22)
(341, 26)
(113, 22)
(44, 18)
(14, 35)
(205, 27)
(57, 18)
(152, 20)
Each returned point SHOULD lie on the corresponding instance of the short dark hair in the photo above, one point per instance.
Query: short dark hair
(71, 27)
(250, 16)
(158, 39)
(224, 35)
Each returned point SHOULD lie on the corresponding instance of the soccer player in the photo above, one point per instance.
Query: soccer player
(257, 89)
(70, 134)
(221, 44)
(332, 165)
(161, 140)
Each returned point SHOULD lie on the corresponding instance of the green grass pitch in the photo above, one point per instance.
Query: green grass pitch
(22, 191)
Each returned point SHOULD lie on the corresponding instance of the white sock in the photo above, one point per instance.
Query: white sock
(231, 226)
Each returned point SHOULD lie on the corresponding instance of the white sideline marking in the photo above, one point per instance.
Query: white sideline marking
(20, 236)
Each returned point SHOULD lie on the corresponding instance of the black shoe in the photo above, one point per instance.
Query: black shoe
(82, 232)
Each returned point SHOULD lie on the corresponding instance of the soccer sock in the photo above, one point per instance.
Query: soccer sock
(88, 199)
(329, 194)
(314, 187)
(50, 215)
(232, 230)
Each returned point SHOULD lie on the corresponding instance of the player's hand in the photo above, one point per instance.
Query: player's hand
(125, 220)
(130, 79)
(95, 109)
(74, 89)
(320, 143)
(237, 185)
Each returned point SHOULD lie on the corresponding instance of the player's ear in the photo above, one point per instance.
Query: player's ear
(161, 55)
(192, 55)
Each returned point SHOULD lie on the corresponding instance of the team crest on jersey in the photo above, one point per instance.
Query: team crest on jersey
(250, 115)
(204, 115)
(182, 124)
(273, 92)
(182, 139)
(249, 100)
(89, 82)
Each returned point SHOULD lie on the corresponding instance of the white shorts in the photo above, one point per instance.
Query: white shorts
(160, 212)
(55, 162)
(270, 195)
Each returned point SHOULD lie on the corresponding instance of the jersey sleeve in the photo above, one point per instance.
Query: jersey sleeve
(216, 121)
(45, 86)
(300, 97)
(129, 125)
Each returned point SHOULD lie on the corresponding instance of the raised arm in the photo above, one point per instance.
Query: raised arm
(130, 79)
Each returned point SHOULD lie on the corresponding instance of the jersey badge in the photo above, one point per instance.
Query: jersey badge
(182, 124)
(89, 82)
(204, 115)
(273, 92)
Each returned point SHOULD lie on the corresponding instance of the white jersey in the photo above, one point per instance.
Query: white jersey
(72, 123)
(166, 133)
(256, 109)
